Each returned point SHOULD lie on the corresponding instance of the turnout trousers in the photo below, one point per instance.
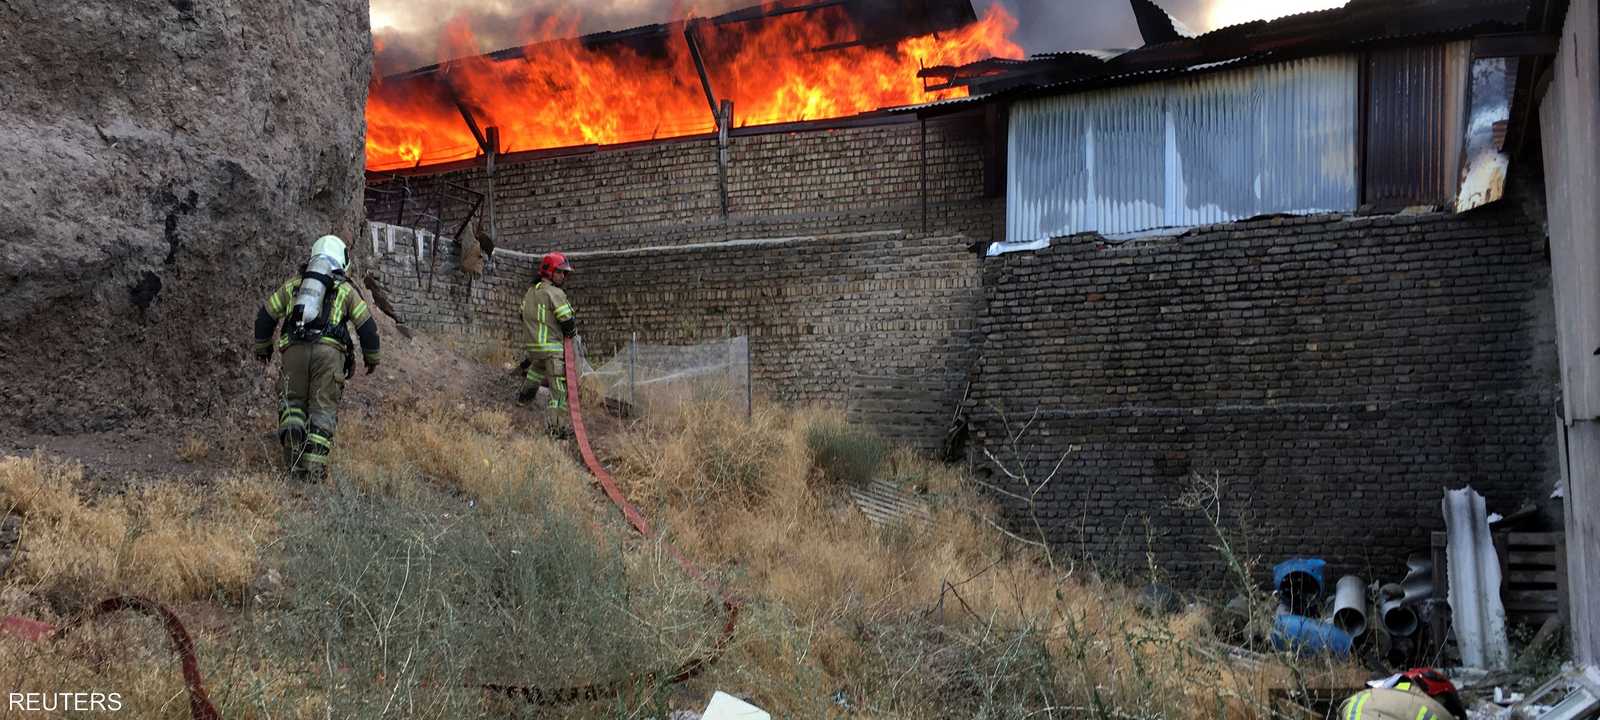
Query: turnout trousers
(312, 377)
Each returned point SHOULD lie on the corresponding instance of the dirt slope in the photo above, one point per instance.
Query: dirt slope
(166, 162)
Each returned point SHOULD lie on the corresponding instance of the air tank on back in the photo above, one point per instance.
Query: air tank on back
(313, 289)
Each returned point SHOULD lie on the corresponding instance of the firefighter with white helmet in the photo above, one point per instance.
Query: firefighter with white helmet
(548, 315)
(314, 308)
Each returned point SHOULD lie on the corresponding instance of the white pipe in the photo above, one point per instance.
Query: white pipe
(1350, 606)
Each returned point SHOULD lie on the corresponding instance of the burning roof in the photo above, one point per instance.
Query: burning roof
(1169, 50)
(779, 62)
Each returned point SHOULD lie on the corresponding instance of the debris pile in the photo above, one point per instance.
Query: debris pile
(1455, 608)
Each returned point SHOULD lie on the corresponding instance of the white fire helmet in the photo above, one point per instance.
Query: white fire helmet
(333, 248)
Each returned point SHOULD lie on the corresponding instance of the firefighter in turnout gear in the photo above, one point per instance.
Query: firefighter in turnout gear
(549, 318)
(314, 309)
(1416, 694)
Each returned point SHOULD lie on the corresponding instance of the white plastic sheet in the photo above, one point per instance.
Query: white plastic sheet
(727, 707)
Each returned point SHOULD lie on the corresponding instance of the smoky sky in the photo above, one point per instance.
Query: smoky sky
(1057, 25)
(410, 30)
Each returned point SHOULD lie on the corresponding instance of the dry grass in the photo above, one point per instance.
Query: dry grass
(194, 449)
(483, 454)
(131, 655)
(946, 619)
(914, 620)
(484, 350)
(168, 541)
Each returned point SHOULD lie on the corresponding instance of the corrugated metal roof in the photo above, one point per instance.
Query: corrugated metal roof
(947, 103)
(1101, 55)
(1360, 24)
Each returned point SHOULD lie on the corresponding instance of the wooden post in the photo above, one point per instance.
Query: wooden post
(491, 150)
(924, 176)
(724, 123)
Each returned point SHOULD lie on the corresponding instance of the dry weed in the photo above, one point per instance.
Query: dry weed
(168, 541)
(950, 618)
(194, 449)
(918, 619)
(479, 453)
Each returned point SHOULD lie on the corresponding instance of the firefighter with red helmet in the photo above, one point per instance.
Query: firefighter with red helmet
(1416, 694)
(548, 315)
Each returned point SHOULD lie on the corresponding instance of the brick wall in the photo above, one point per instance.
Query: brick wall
(882, 323)
(1339, 373)
(813, 181)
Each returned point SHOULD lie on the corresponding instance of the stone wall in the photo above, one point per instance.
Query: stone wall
(1337, 373)
(881, 323)
(813, 181)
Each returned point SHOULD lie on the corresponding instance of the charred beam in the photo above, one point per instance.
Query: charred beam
(724, 124)
(1515, 45)
(691, 37)
(492, 146)
(762, 12)
(472, 124)
(1155, 25)
(886, 44)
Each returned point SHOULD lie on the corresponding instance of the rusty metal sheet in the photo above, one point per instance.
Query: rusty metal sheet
(1410, 132)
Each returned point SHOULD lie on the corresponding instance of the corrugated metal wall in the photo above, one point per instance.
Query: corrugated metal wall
(1406, 140)
(1206, 149)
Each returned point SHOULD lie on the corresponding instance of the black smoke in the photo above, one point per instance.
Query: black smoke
(1045, 25)
(418, 36)
(1058, 25)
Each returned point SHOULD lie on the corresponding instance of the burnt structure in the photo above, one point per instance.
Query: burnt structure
(1352, 321)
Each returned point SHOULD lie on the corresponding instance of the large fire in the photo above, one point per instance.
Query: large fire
(562, 94)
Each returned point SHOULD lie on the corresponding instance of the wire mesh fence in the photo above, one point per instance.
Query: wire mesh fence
(641, 378)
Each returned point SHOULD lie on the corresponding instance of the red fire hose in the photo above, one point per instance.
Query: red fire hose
(200, 707)
(730, 604)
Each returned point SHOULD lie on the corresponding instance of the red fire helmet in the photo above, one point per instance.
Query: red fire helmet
(553, 262)
(1437, 686)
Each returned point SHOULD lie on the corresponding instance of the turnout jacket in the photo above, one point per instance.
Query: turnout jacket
(343, 305)
(548, 315)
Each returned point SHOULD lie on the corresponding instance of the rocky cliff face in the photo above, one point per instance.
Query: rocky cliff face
(163, 163)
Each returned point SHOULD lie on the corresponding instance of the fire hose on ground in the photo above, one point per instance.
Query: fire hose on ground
(200, 707)
(730, 604)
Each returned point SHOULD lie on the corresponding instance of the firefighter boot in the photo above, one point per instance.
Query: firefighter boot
(294, 451)
(319, 443)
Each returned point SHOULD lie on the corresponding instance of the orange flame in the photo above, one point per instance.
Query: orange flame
(562, 94)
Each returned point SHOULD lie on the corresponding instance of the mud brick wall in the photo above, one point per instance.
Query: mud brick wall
(1337, 373)
(780, 184)
(430, 292)
(881, 323)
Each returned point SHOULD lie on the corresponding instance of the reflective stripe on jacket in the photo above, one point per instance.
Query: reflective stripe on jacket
(1403, 702)
(544, 307)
